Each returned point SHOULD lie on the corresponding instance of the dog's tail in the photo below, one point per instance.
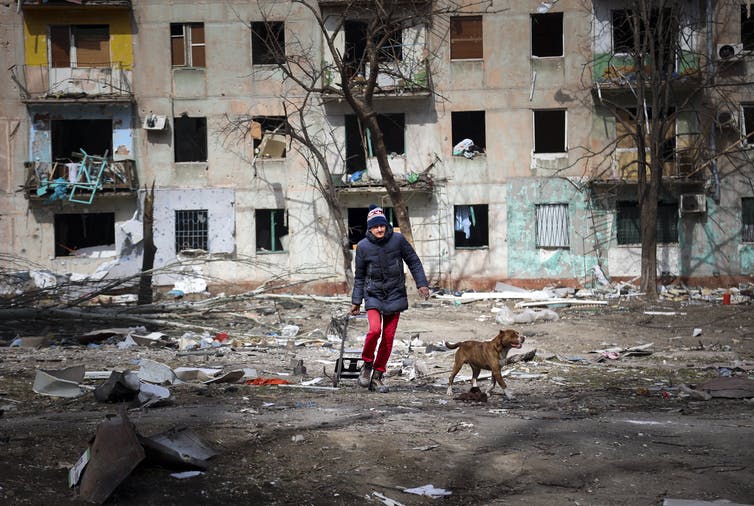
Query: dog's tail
(451, 346)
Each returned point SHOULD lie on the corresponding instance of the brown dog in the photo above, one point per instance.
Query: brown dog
(488, 355)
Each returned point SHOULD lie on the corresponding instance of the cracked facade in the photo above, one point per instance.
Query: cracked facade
(143, 92)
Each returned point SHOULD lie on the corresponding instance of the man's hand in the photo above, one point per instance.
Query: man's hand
(355, 309)
(424, 291)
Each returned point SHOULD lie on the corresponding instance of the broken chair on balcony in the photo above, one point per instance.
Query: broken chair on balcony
(88, 178)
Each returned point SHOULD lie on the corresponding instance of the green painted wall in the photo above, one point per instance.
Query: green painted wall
(525, 260)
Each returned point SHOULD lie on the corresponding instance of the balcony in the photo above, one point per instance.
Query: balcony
(618, 72)
(42, 84)
(361, 182)
(686, 167)
(394, 80)
(80, 182)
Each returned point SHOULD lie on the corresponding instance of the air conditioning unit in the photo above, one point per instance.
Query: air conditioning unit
(693, 203)
(729, 51)
(726, 118)
(154, 122)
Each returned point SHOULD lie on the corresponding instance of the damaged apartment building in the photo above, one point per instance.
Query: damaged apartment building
(496, 132)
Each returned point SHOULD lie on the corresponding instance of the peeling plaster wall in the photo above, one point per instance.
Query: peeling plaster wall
(219, 203)
(40, 141)
(525, 260)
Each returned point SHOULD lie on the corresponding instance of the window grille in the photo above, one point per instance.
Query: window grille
(747, 219)
(552, 226)
(628, 223)
(191, 230)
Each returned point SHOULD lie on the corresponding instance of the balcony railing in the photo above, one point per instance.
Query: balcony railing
(38, 83)
(80, 182)
(406, 78)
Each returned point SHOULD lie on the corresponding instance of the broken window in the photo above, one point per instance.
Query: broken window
(471, 226)
(359, 139)
(547, 34)
(76, 231)
(747, 129)
(267, 42)
(269, 136)
(79, 46)
(191, 230)
(69, 136)
(626, 147)
(187, 44)
(466, 38)
(628, 223)
(357, 222)
(747, 219)
(389, 46)
(661, 25)
(552, 230)
(550, 131)
(468, 133)
(747, 27)
(272, 229)
(190, 139)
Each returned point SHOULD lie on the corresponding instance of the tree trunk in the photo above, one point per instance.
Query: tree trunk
(388, 179)
(147, 263)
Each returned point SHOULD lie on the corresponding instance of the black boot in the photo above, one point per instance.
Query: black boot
(365, 377)
(377, 385)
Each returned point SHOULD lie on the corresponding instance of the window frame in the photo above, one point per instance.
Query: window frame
(479, 230)
(747, 29)
(190, 49)
(70, 43)
(540, 112)
(474, 39)
(667, 230)
(747, 219)
(276, 230)
(557, 233)
(535, 33)
(747, 123)
(200, 233)
(271, 42)
(274, 124)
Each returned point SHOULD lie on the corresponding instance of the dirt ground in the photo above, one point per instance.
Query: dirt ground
(581, 428)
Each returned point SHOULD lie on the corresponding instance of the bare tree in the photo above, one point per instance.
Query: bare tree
(654, 73)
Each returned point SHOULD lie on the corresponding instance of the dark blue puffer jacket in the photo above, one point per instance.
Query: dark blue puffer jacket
(378, 275)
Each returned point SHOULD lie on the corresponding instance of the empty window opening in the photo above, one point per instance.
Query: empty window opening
(357, 222)
(628, 223)
(747, 129)
(661, 25)
(747, 219)
(471, 226)
(468, 133)
(191, 230)
(388, 43)
(69, 136)
(359, 139)
(747, 27)
(269, 136)
(547, 34)
(552, 226)
(550, 131)
(267, 42)
(466, 38)
(76, 231)
(79, 46)
(272, 229)
(187, 44)
(190, 139)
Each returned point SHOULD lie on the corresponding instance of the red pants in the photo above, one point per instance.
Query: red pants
(386, 326)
